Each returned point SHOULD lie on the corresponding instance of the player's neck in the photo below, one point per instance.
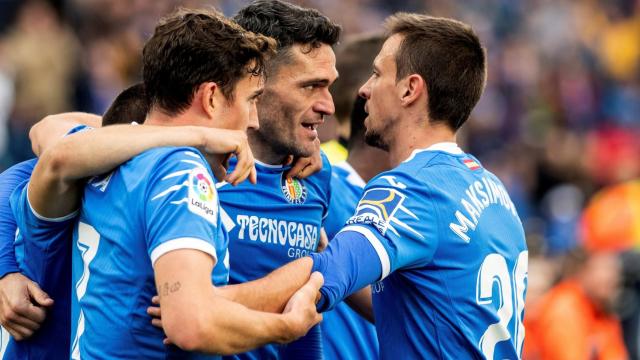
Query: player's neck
(410, 138)
(263, 151)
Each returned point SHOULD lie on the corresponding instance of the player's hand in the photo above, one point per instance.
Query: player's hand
(305, 166)
(300, 311)
(155, 312)
(219, 144)
(156, 316)
(22, 305)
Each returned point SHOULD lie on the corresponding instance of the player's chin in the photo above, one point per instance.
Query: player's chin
(305, 138)
(305, 147)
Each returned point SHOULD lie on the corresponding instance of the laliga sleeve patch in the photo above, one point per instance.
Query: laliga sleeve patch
(203, 199)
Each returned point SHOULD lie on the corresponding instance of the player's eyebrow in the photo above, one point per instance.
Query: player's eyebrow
(317, 81)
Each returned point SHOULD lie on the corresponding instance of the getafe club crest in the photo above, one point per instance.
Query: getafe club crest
(294, 190)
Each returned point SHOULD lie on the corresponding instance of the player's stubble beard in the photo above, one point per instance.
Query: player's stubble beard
(277, 127)
(374, 137)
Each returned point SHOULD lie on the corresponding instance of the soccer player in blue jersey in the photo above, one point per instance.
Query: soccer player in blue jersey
(155, 219)
(24, 305)
(438, 234)
(280, 219)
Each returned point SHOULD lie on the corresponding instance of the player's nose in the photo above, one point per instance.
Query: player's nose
(365, 91)
(324, 105)
(254, 122)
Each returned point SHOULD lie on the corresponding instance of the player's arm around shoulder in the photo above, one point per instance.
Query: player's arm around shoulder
(54, 189)
(196, 319)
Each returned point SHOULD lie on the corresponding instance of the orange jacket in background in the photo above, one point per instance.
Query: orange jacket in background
(565, 325)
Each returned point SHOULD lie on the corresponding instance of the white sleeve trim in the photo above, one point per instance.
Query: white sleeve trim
(377, 245)
(183, 243)
(44, 218)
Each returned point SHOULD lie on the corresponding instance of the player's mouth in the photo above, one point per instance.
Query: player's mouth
(310, 128)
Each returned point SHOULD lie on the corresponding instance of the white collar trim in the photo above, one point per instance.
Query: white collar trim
(449, 147)
(270, 166)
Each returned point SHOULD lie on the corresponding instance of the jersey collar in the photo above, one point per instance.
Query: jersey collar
(353, 176)
(448, 147)
(268, 166)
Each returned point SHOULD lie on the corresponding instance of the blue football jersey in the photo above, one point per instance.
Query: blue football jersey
(346, 335)
(42, 250)
(453, 256)
(162, 200)
(272, 223)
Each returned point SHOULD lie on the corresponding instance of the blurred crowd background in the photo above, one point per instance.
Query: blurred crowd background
(559, 121)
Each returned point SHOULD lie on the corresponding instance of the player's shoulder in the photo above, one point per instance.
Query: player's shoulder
(21, 170)
(170, 157)
(399, 177)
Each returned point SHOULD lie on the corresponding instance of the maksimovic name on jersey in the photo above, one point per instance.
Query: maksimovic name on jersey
(301, 238)
(480, 195)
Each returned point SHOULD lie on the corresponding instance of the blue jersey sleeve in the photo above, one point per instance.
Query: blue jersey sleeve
(348, 264)
(9, 180)
(39, 238)
(396, 215)
(182, 210)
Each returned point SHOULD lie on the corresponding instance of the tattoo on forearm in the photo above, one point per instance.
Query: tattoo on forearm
(166, 288)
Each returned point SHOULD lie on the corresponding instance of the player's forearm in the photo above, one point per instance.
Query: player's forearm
(196, 319)
(101, 150)
(231, 328)
(271, 292)
(55, 184)
(52, 128)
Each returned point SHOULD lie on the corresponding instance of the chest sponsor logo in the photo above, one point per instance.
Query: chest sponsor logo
(298, 238)
(293, 190)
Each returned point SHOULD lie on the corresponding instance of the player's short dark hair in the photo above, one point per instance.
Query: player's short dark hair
(288, 24)
(130, 105)
(191, 47)
(448, 55)
(354, 59)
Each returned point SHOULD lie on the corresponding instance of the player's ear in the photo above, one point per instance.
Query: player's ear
(210, 94)
(411, 89)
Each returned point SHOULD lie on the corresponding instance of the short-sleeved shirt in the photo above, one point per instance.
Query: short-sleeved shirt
(346, 335)
(272, 223)
(453, 256)
(162, 200)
